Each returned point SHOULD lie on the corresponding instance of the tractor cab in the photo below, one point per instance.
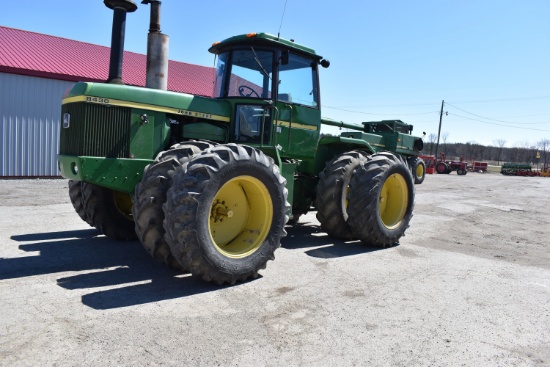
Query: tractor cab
(273, 87)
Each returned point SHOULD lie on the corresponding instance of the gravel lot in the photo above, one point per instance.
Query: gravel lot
(469, 285)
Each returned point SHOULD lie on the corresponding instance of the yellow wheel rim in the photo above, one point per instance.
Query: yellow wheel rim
(240, 216)
(123, 203)
(393, 201)
(419, 171)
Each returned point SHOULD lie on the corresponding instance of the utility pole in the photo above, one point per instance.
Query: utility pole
(439, 131)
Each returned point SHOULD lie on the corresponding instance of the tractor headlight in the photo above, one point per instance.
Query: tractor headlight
(66, 120)
(418, 145)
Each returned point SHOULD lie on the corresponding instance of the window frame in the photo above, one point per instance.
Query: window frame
(223, 91)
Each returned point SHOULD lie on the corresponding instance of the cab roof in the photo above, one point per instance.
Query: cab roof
(264, 39)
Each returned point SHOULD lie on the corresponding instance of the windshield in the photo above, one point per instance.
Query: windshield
(251, 74)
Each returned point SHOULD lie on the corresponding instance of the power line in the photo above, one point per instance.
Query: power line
(383, 114)
(538, 114)
(488, 118)
(494, 123)
(446, 103)
(504, 99)
(437, 104)
(391, 105)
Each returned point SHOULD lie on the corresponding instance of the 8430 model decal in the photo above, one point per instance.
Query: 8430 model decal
(116, 102)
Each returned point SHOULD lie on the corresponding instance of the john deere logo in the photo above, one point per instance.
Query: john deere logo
(66, 120)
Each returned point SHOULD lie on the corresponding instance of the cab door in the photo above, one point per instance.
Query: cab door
(254, 123)
(298, 121)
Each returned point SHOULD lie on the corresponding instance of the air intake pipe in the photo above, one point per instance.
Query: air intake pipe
(120, 8)
(157, 50)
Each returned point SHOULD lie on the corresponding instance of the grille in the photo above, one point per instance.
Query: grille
(96, 130)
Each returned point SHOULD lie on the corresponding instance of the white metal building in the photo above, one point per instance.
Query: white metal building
(30, 110)
(35, 72)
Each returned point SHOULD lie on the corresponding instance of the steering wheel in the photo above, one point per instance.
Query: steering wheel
(246, 91)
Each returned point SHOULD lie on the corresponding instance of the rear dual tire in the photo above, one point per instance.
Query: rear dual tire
(418, 169)
(331, 198)
(381, 200)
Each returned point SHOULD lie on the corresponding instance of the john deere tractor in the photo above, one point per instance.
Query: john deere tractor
(208, 184)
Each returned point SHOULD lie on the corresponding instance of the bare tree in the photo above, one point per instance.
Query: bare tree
(472, 151)
(445, 136)
(500, 143)
(544, 145)
(514, 154)
(524, 151)
(480, 151)
(432, 138)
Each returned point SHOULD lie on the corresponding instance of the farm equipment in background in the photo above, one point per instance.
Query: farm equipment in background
(443, 166)
(208, 184)
(397, 138)
(523, 169)
(518, 169)
(480, 167)
(429, 161)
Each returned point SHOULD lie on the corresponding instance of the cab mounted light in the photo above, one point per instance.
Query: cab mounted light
(251, 35)
(325, 63)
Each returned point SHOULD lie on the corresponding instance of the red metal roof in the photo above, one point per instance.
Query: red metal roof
(35, 54)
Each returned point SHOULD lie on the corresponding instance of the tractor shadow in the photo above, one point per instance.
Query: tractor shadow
(310, 235)
(124, 274)
(102, 264)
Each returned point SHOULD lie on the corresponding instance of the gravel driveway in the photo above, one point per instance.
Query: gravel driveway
(469, 285)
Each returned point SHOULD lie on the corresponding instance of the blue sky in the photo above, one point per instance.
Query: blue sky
(488, 59)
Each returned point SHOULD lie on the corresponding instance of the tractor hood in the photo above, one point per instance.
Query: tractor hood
(146, 98)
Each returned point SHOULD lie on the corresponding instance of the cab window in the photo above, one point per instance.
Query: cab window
(298, 81)
(251, 74)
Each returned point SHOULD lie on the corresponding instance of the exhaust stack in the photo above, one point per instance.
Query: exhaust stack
(120, 8)
(157, 50)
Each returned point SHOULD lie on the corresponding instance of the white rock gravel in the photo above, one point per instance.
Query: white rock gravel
(469, 285)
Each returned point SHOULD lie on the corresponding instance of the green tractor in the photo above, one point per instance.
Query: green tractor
(208, 184)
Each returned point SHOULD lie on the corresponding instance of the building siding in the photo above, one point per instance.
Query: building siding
(30, 112)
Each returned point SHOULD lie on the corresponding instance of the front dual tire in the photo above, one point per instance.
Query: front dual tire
(225, 214)
(150, 196)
